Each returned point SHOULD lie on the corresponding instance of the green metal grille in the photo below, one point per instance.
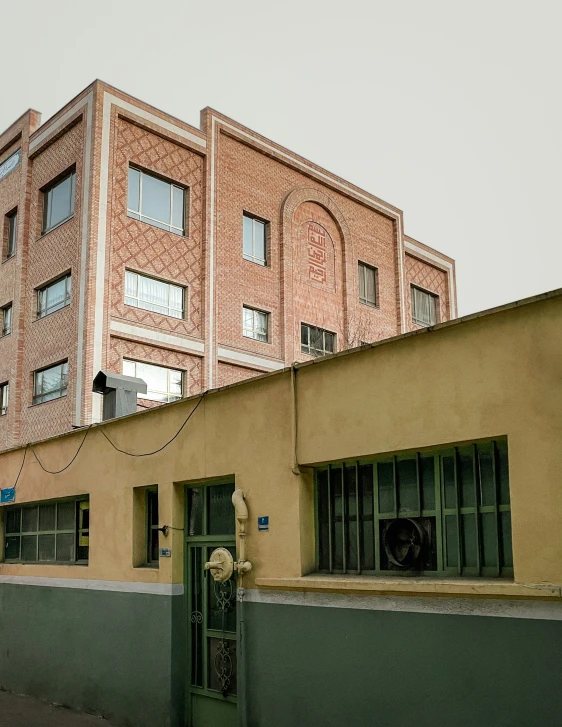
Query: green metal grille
(458, 497)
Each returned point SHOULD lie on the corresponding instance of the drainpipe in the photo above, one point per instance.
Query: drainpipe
(296, 470)
(242, 566)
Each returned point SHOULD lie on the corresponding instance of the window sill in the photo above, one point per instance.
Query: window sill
(7, 259)
(412, 586)
(51, 229)
(40, 403)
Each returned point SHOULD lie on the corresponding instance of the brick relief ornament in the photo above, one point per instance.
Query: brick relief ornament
(318, 259)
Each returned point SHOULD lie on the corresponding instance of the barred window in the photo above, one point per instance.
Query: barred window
(441, 513)
(425, 307)
(54, 531)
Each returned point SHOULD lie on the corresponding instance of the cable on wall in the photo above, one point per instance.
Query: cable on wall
(57, 472)
(148, 454)
(21, 468)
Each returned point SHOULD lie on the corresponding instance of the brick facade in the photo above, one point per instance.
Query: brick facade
(319, 227)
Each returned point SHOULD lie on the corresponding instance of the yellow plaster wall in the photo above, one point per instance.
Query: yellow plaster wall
(499, 374)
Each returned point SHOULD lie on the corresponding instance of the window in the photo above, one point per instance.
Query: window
(50, 383)
(155, 201)
(151, 294)
(317, 341)
(368, 288)
(425, 307)
(6, 319)
(255, 324)
(444, 513)
(9, 164)
(162, 384)
(54, 296)
(11, 233)
(55, 531)
(152, 552)
(58, 202)
(254, 234)
(4, 390)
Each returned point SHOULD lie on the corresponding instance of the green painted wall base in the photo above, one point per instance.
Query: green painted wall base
(330, 667)
(98, 651)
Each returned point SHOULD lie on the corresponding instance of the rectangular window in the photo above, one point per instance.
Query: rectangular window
(255, 324)
(55, 531)
(440, 513)
(11, 234)
(58, 202)
(54, 296)
(162, 384)
(50, 383)
(6, 319)
(425, 307)
(254, 240)
(156, 202)
(4, 391)
(152, 551)
(154, 295)
(316, 341)
(368, 289)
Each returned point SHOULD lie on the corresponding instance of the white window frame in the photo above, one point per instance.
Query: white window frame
(43, 290)
(138, 214)
(130, 369)
(312, 351)
(363, 268)
(40, 397)
(4, 396)
(7, 314)
(434, 303)
(144, 304)
(253, 331)
(46, 226)
(253, 257)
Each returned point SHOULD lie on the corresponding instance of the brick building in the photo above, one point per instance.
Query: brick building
(192, 258)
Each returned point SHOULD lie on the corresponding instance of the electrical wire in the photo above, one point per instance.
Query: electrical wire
(21, 468)
(148, 454)
(57, 472)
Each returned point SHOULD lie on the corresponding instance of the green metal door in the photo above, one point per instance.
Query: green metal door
(211, 608)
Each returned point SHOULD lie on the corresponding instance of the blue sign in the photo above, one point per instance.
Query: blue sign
(263, 522)
(8, 495)
(165, 552)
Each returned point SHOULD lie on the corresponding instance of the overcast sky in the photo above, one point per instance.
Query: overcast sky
(449, 110)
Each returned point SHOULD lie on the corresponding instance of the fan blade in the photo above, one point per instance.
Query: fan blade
(401, 551)
(404, 534)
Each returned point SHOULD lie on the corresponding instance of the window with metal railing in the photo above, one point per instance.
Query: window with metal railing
(436, 513)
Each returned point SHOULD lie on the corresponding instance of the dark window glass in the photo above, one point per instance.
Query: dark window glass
(337, 518)
(220, 512)
(153, 534)
(350, 518)
(385, 475)
(316, 341)
(467, 485)
(48, 532)
(6, 320)
(221, 600)
(408, 485)
(221, 665)
(50, 383)
(195, 511)
(323, 520)
(427, 465)
(11, 234)
(58, 202)
(366, 518)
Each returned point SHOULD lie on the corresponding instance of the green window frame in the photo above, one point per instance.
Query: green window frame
(439, 512)
(53, 531)
(152, 531)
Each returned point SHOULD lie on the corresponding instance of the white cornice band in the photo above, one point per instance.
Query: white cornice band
(238, 358)
(187, 344)
(158, 589)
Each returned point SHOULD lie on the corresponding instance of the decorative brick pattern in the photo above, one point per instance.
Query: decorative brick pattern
(317, 234)
(142, 247)
(430, 278)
